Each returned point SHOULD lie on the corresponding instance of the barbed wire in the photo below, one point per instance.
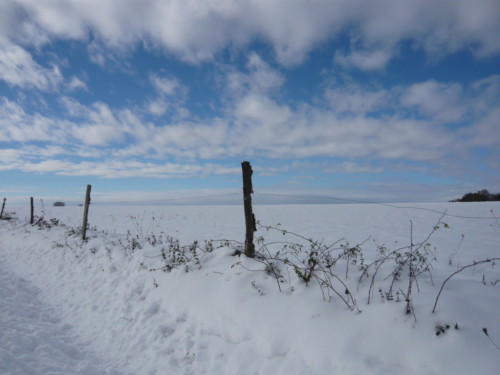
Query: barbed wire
(377, 203)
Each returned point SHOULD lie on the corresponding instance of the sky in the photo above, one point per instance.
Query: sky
(152, 100)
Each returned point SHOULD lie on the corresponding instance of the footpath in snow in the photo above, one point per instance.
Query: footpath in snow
(34, 341)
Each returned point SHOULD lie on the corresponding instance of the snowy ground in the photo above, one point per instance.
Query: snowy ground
(99, 307)
(33, 339)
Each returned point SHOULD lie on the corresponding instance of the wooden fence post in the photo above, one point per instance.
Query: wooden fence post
(3, 206)
(86, 212)
(249, 216)
(32, 217)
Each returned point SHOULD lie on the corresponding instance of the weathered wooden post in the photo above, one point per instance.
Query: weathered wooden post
(249, 216)
(32, 217)
(3, 206)
(86, 213)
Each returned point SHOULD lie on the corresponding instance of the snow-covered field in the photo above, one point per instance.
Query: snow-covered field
(139, 298)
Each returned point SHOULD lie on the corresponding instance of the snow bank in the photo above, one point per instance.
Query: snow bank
(229, 317)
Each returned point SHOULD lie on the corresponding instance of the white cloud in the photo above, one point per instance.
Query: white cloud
(18, 68)
(113, 168)
(76, 84)
(171, 96)
(437, 100)
(270, 171)
(190, 140)
(439, 27)
(165, 86)
(11, 159)
(157, 107)
(403, 122)
(99, 128)
(434, 101)
(18, 126)
(264, 127)
(45, 166)
(197, 30)
(260, 127)
(102, 126)
(72, 106)
(347, 166)
(354, 167)
(10, 155)
(16, 27)
(485, 93)
(259, 79)
(464, 24)
(364, 60)
(262, 110)
(47, 151)
(97, 135)
(486, 131)
(357, 100)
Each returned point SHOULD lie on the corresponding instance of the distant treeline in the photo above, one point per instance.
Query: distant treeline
(481, 196)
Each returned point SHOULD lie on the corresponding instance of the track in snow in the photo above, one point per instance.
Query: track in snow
(33, 340)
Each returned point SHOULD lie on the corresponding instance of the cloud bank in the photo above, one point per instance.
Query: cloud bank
(197, 31)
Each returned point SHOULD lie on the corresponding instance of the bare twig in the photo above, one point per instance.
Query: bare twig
(485, 331)
(458, 271)
(413, 256)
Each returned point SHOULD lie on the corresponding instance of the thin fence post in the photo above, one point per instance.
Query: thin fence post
(86, 212)
(3, 206)
(32, 217)
(249, 216)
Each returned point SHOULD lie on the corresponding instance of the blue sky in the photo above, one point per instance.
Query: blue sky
(147, 100)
